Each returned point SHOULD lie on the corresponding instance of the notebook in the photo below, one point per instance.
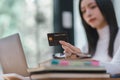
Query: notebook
(68, 66)
(12, 58)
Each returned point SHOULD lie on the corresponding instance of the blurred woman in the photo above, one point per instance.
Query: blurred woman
(103, 35)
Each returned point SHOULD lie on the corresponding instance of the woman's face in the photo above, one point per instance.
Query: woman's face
(92, 15)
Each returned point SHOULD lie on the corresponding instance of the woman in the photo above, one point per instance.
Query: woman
(99, 21)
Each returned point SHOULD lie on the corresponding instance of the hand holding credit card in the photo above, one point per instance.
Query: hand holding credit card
(54, 38)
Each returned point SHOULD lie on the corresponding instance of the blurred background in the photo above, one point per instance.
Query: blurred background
(33, 19)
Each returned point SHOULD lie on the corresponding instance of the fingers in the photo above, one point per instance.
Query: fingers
(67, 54)
(67, 45)
(69, 48)
(11, 78)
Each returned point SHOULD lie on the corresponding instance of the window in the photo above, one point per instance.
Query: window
(32, 19)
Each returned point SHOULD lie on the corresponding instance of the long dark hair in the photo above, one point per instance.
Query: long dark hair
(107, 10)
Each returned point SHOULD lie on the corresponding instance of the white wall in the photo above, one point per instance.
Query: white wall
(80, 39)
(117, 10)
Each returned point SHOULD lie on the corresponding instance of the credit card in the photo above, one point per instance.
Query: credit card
(54, 38)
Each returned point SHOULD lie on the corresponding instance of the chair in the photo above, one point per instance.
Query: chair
(12, 58)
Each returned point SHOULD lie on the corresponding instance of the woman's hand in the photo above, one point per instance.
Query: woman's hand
(69, 49)
(13, 76)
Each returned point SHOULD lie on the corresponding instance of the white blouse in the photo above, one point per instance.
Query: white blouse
(101, 53)
(112, 65)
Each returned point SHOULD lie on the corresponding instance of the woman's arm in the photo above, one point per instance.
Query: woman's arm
(113, 67)
(116, 57)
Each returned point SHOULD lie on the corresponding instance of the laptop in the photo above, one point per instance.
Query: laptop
(12, 58)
